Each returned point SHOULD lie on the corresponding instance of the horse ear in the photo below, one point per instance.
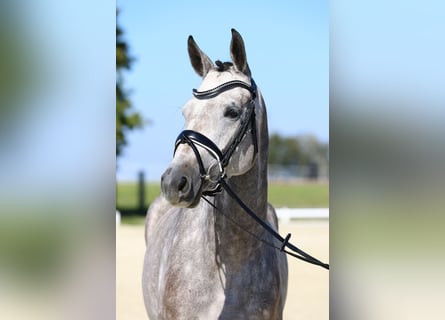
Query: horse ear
(238, 53)
(200, 62)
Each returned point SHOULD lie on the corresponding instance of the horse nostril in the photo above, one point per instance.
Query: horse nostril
(166, 173)
(182, 184)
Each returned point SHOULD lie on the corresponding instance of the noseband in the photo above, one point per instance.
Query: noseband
(194, 138)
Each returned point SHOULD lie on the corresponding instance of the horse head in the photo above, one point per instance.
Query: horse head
(220, 136)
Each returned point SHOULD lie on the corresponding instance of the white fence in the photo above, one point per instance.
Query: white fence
(118, 218)
(287, 214)
(297, 172)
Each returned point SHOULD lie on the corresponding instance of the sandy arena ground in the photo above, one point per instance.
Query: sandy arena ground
(308, 292)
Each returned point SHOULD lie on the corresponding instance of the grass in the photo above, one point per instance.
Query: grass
(291, 195)
(299, 195)
(127, 194)
(133, 220)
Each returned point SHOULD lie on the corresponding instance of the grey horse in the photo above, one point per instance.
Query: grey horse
(204, 259)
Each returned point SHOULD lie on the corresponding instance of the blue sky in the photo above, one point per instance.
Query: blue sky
(287, 48)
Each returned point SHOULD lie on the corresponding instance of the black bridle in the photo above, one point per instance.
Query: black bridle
(195, 139)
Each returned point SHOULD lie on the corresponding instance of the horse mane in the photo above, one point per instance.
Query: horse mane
(223, 66)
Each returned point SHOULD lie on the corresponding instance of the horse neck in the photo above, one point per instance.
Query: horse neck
(251, 187)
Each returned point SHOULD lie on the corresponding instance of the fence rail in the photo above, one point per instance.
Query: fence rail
(312, 171)
(287, 214)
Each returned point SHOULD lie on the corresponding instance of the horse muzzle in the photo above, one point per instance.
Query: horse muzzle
(179, 188)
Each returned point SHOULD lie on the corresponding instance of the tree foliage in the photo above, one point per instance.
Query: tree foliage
(126, 118)
(20, 69)
(298, 150)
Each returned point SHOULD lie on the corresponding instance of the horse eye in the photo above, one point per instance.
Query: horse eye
(231, 113)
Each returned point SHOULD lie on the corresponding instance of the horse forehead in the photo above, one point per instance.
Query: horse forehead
(202, 109)
(199, 107)
(215, 78)
(236, 96)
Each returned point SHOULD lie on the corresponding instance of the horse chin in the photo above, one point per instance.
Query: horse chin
(189, 204)
(193, 200)
(194, 203)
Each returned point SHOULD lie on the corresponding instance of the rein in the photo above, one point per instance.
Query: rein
(194, 139)
(295, 251)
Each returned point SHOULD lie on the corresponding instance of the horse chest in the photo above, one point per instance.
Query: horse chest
(192, 294)
(195, 280)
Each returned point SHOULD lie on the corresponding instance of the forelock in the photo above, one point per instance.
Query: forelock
(223, 66)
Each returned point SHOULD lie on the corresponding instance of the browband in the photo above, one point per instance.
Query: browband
(224, 87)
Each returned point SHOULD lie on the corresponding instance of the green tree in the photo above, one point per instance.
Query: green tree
(126, 117)
(314, 150)
(20, 70)
(285, 150)
(301, 150)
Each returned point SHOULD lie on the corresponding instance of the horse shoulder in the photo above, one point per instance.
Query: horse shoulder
(156, 210)
(282, 273)
(272, 216)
